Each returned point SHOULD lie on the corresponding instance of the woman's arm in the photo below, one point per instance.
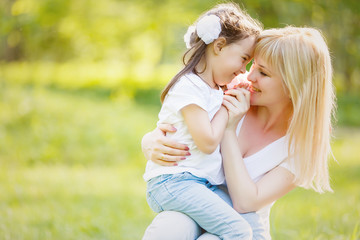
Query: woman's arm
(161, 149)
(206, 135)
(246, 195)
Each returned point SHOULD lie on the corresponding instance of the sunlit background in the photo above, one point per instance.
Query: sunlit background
(79, 87)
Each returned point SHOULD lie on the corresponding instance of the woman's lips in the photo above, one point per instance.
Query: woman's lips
(254, 89)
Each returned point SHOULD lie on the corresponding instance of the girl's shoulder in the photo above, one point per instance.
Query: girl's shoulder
(192, 80)
(192, 85)
(187, 85)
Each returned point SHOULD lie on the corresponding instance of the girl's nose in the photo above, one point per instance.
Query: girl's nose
(243, 69)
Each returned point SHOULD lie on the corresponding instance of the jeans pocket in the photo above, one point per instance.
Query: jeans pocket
(155, 191)
(154, 205)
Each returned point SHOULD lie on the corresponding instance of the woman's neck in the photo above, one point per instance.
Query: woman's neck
(273, 119)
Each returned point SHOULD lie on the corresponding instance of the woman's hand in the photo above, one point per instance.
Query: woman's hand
(237, 102)
(161, 149)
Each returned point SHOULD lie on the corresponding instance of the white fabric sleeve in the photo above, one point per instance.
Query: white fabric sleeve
(185, 93)
(288, 164)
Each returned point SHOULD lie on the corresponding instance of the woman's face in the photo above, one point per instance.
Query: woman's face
(267, 84)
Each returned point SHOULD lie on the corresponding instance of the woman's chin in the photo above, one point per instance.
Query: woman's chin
(253, 100)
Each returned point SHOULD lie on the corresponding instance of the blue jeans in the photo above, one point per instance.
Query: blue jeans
(198, 199)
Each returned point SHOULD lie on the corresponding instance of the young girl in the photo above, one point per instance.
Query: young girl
(221, 45)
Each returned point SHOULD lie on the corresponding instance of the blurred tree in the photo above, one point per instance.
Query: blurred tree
(10, 36)
(142, 34)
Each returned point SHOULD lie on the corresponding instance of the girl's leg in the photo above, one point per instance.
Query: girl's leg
(172, 225)
(192, 196)
(259, 226)
(222, 192)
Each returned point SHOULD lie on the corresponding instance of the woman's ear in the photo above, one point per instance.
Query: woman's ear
(219, 44)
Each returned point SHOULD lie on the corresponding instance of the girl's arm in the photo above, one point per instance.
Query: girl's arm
(161, 149)
(207, 135)
(246, 195)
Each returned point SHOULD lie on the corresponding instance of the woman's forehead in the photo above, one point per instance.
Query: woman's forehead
(260, 60)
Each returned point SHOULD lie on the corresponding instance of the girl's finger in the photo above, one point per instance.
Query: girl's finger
(236, 101)
(242, 85)
(241, 95)
(233, 106)
(232, 91)
(236, 92)
(238, 106)
(245, 96)
(232, 100)
(229, 106)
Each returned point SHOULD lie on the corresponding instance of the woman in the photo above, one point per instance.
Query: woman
(280, 141)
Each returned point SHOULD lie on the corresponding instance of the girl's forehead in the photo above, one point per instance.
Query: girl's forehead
(246, 42)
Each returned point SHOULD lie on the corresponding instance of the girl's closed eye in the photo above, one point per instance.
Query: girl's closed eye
(246, 60)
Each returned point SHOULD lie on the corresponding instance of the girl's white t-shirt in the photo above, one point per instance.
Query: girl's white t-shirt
(190, 89)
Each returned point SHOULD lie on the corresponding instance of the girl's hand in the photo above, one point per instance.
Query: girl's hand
(237, 102)
(162, 150)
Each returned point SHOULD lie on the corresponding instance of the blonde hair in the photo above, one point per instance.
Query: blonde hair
(236, 25)
(302, 58)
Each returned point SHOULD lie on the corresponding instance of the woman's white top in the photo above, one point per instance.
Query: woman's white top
(190, 89)
(261, 162)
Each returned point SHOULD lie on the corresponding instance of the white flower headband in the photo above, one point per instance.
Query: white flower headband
(187, 36)
(207, 28)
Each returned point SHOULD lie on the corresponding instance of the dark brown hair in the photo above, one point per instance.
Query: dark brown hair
(236, 25)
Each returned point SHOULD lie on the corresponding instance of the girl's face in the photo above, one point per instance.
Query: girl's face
(267, 85)
(231, 60)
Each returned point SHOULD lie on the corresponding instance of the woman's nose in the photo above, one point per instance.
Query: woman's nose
(251, 76)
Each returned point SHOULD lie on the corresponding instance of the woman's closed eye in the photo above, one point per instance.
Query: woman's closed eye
(264, 74)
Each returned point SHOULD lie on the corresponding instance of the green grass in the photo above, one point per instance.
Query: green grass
(61, 202)
(71, 168)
